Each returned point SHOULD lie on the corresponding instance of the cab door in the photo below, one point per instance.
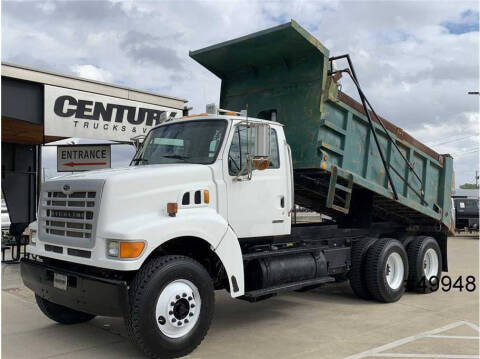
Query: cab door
(257, 206)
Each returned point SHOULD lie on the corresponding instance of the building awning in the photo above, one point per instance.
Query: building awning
(27, 114)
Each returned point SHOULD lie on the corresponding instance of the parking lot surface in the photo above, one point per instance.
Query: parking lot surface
(328, 322)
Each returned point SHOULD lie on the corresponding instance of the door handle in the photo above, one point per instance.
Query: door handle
(282, 201)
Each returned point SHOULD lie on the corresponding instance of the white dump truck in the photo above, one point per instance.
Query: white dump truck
(208, 204)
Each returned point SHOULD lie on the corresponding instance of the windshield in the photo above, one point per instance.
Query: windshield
(182, 142)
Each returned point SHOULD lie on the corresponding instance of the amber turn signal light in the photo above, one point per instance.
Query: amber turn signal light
(131, 249)
(206, 196)
(261, 163)
(172, 209)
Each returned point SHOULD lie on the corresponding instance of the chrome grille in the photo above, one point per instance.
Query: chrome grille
(70, 217)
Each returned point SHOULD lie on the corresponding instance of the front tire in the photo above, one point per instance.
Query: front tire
(387, 270)
(61, 314)
(171, 306)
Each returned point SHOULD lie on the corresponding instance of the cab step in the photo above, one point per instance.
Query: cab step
(255, 295)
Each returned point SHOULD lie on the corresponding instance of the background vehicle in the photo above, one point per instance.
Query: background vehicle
(466, 214)
(207, 203)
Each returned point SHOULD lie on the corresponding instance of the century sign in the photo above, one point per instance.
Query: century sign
(83, 157)
(73, 113)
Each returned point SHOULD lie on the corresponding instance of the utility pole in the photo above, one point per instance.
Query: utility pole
(476, 172)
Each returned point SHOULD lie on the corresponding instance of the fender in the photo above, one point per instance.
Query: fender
(230, 254)
(202, 223)
(156, 229)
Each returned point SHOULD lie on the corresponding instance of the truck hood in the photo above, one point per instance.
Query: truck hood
(130, 193)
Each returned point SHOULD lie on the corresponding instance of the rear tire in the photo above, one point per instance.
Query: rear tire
(387, 270)
(171, 306)
(425, 261)
(357, 274)
(61, 314)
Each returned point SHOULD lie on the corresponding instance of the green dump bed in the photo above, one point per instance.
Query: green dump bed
(336, 160)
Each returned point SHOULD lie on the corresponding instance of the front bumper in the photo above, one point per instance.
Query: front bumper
(85, 293)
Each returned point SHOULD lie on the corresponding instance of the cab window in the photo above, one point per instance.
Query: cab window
(196, 141)
(243, 144)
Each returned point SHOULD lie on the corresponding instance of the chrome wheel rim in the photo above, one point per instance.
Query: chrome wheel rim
(430, 263)
(394, 270)
(178, 308)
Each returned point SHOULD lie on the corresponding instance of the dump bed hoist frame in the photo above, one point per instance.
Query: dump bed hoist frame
(366, 104)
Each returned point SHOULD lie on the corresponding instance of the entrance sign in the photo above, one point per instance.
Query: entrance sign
(73, 113)
(83, 158)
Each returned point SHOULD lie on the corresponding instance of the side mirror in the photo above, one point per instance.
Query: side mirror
(261, 155)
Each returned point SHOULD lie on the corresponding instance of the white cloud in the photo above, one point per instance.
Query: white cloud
(92, 72)
(47, 7)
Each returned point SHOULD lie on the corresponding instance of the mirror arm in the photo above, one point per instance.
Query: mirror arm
(247, 167)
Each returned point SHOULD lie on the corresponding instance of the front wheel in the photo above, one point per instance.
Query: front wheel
(171, 306)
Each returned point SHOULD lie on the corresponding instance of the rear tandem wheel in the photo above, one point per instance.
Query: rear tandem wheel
(425, 264)
(386, 270)
(357, 274)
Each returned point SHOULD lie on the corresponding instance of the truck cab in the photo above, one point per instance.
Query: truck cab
(225, 145)
(191, 178)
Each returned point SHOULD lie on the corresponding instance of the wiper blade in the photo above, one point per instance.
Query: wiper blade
(178, 157)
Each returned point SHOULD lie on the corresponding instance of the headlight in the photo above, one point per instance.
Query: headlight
(113, 249)
(124, 249)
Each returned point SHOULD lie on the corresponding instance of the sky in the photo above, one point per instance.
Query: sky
(416, 60)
